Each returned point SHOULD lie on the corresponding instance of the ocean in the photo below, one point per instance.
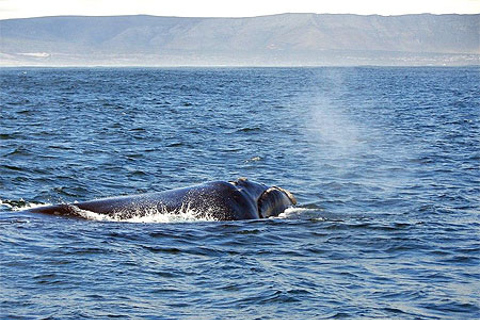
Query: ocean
(384, 163)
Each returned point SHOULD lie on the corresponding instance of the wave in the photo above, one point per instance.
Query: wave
(151, 216)
(296, 212)
(184, 214)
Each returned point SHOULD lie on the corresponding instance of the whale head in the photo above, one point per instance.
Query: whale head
(274, 201)
(270, 201)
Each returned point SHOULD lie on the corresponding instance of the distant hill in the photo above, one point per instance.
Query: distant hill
(287, 39)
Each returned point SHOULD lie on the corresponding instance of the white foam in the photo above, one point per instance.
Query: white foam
(184, 214)
(21, 205)
(292, 212)
(5, 204)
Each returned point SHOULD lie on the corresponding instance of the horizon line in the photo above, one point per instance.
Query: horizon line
(246, 17)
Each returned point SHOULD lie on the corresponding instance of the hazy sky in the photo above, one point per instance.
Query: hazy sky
(225, 8)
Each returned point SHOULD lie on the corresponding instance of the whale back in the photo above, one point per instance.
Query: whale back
(219, 200)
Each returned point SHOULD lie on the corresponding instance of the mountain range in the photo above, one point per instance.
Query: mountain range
(284, 40)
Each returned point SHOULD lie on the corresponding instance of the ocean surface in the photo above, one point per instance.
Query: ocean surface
(385, 164)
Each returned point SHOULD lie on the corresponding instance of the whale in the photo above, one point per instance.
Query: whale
(238, 199)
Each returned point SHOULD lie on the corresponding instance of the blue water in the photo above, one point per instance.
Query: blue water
(385, 163)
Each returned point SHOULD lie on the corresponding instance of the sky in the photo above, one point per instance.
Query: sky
(233, 8)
